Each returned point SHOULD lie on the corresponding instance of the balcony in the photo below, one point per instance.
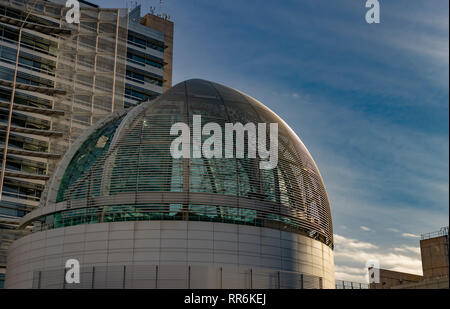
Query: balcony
(33, 26)
(30, 153)
(33, 88)
(19, 174)
(4, 126)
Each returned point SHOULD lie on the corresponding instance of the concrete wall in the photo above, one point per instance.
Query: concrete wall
(389, 279)
(434, 253)
(241, 256)
(440, 283)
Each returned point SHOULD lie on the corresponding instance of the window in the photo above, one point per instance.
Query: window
(145, 60)
(86, 156)
(141, 42)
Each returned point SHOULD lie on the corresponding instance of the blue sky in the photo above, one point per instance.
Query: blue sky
(371, 103)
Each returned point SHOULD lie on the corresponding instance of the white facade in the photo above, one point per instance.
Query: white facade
(165, 254)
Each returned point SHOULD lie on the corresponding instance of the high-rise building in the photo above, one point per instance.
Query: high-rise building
(59, 78)
(149, 56)
(135, 216)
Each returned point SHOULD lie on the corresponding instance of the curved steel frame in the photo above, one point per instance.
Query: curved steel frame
(137, 169)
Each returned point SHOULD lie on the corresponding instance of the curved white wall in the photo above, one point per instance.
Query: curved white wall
(178, 254)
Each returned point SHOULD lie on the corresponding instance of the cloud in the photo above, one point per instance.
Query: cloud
(351, 244)
(346, 273)
(351, 256)
(407, 48)
(391, 229)
(365, 228)
(410, 235)
(407, 249)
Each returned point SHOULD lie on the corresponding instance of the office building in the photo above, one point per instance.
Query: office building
(149, 57)
(136, 217)
(61, 79)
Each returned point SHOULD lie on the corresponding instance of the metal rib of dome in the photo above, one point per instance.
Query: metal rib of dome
(123, 171)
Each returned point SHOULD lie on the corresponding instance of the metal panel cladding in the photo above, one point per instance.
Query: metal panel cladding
(124, 171)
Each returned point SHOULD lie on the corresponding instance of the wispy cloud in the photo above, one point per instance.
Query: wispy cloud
(353, 274)
(408, 249)
(365, 228)
(393, 230)
(351, 256)
(410, 235)
(353, 244)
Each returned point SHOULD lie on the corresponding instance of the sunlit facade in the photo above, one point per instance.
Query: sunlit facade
(136, 217)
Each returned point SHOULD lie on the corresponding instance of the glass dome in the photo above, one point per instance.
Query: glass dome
(123, 170)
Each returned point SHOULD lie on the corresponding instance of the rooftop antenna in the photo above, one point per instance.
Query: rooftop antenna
(133, 4)
(161, 14)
